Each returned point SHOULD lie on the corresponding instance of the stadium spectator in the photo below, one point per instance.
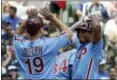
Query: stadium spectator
(13, 72)
(12, 18)
(5, 56)
(53, 30)
(112, 9)
(4, 75)
(22, 6)
(8, 36)
(2, 31)
(79, 8)
(95, 7)
(110, 29)
(111, 37)
(5, 10)
(55, 7)
(112, 73)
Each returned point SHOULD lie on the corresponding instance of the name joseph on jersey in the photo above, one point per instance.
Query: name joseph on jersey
(32, 51)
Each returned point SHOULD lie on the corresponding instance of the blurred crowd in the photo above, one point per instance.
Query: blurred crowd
(69, 12)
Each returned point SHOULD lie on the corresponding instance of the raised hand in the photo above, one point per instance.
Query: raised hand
(95, 21)
(96, 29)
(46, 14)
(32, 13)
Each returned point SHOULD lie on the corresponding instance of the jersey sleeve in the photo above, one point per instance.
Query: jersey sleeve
(17, 40)
(55, 43)
(97, 49)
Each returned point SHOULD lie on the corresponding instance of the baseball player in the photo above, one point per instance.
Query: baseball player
(37, 55)
(90, 51)
(85, 62)
(62, 64)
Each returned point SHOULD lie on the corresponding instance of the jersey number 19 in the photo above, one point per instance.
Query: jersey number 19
(38, 67)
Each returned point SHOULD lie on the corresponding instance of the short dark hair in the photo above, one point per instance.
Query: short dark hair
(13, 8)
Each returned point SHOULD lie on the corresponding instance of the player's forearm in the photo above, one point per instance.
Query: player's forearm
(20, 29)
(96, 29)
(96, 34)
(62, 27)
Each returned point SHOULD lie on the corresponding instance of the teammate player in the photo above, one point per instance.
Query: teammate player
(90, 51)
(62, 64)
(37, 55)
(89, 46)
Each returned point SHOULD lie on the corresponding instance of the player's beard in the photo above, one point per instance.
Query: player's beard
(33, 30)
